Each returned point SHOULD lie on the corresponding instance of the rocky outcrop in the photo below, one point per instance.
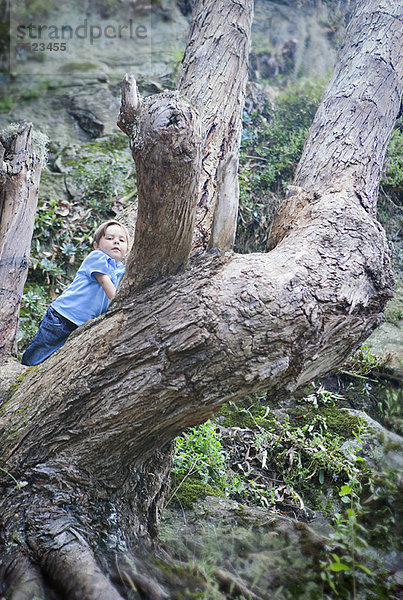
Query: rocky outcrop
(259, 552)
(75, 96)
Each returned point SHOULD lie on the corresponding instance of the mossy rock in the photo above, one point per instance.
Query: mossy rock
(260, 548)
(81, 66)
(338, 421)
(187, 490)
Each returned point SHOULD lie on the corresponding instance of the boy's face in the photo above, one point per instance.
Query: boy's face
(113, 243)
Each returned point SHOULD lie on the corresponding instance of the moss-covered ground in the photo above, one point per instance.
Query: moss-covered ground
(292, 458)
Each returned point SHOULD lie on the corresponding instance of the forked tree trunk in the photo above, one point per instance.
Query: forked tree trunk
(171, 350)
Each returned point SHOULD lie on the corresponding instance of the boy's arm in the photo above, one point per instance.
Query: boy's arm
(106, 283)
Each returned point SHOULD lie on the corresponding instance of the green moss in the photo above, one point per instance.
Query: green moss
(244, 415)
(364, 361)
(79, 66)
(392, 447)
(15, 95)
(14, 387)
(393, 175)
(113, 143)
(338, 421)
(240, 510)
(188, 491)
(118, 142)
(6, 103)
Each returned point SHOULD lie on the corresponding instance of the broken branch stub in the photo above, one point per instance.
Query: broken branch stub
(129, 105)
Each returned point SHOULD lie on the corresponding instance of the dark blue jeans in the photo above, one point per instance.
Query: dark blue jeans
(52, 333)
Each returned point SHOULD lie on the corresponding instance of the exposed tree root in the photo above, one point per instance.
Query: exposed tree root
(145, 584)
(67, 560)
(23, 580)
(150, 588)
(233, 586)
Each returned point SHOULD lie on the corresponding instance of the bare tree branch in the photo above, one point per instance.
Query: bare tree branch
(213, 78)
(346, 145)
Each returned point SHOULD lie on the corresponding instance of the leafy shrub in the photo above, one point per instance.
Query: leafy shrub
(364, 361)
(199, 452)
(277, 143)
(33, 306)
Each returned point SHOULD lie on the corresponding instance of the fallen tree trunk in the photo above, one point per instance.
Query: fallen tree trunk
(82, 449)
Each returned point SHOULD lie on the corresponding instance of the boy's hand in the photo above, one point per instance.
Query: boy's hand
(106, 283)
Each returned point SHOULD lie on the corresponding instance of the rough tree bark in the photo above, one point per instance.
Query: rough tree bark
(168, 353)
(20, 170)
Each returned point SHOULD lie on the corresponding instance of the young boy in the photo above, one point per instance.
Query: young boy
(86, 297)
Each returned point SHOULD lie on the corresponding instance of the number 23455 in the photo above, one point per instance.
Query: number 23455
(52, 46)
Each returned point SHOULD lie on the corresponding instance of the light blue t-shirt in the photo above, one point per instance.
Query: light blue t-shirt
(85, 298)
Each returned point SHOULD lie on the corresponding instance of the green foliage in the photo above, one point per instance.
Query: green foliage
(304, 453)
(33, 306)
(350, 565)
(304, 448)
(186, 490)
(28, 9)
(199, 467)
(15, 92)
(101, 171)
(247, 415)
(295, 460)
(393, 315)
(6, 102)
(393, 175)
(391, 409)
(326, 419)
(276, 141)
(198, 451)
(364, 362)
(272, 143)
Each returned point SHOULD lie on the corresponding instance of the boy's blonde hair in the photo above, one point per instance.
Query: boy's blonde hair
(101, 230)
